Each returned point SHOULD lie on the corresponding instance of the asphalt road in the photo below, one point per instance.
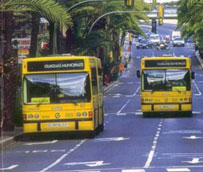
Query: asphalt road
(129, 143)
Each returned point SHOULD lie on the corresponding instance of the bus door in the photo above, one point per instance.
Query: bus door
(101, 98)
(95, 97)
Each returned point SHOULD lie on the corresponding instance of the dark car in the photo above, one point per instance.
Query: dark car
(142, 44)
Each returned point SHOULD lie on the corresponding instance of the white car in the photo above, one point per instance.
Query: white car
(154, 39)
(178, 42)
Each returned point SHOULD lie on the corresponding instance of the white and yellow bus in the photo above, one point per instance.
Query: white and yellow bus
(166, 85)
(62, 93)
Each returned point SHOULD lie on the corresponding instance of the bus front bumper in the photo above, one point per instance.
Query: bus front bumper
(166, 107)
(31, 126)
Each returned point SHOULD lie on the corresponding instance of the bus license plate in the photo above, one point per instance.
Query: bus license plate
(59, 124)
(166, 106)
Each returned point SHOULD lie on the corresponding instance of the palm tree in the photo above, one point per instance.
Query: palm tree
(190, 21)
(108, 34)
(48, 9)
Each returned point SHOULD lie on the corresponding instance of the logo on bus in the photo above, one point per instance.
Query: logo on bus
(57, 115)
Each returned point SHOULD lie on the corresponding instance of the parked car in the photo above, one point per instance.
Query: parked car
(178, 42)
(142, 44)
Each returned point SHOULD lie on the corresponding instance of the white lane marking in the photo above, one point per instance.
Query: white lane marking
(136, 91)
(123, 107)
(129, 96)
(89, 164)
(154, 145)
(138, 113)
(196, 112)
(192, 137)
(194, 161)
(133, 170)
(110, 139)
(63, 156)
(126, 113)
(41, 143)
(121, 114)
(39, 151)
(177, 169)
(195, 84)
(9, 168)
(149, 160)
(62, 150)
(116, 96)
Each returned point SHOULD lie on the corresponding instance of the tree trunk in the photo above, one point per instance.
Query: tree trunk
(10, 76)
(52, 38)
(34, 34)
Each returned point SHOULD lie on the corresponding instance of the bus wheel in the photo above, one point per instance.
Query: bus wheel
(101, 126)
(145, 115)
(189, 114)
(93, 134)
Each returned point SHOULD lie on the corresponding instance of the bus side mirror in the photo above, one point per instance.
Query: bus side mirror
(193, 75)
(138, 73)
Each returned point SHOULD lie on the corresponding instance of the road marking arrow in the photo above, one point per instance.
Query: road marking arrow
(194, 161)
(41, 143)
(192, 137)
(110, 139)
(89, 164)
(9, 168)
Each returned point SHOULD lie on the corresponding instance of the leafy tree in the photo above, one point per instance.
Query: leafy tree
(106, 31)
(190, 20)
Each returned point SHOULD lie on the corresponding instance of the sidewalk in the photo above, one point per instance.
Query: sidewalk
(8, 138)
(196, 54)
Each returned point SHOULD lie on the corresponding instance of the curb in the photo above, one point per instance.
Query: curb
(9, 140)
(110, 86)
(196, 54)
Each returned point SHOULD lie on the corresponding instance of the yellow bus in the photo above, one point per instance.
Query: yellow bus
(166, 85)
(62, 93)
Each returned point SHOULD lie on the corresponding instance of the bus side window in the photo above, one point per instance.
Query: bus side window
(94, 80)
(100, 80)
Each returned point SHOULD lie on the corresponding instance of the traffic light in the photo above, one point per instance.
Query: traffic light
(154, 25)
(161, 14)
(129, 3)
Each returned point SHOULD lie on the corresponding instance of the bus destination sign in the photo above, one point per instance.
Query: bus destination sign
(55, 65)
(165, 63)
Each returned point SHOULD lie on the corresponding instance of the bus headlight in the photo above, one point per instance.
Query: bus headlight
(78, 114)
(36, 116)
(84, 114)
(30, 116)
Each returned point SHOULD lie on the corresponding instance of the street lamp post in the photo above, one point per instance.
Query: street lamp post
(113, 12)
(79, 3)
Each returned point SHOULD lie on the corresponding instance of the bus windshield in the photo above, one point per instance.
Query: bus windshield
(166, 80)
(56, 88)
